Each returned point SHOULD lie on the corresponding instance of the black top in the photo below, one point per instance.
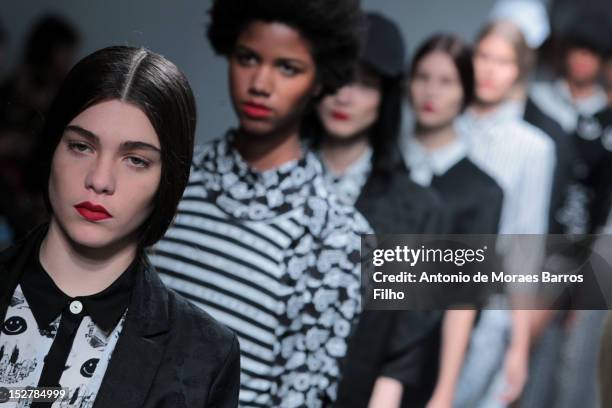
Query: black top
(473, 201)
(391, 343)
(47, 302)
(472, 198)
(564, 154)
(169, 354)
(593, 166)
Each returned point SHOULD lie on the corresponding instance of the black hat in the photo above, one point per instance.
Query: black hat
(383, 48)
(590, 31)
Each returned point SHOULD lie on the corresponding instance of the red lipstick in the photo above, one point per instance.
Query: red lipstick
(428, 107)
(92, 212)
(338, 115)
(256, 110)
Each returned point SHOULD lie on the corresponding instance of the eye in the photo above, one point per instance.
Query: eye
(245, 58)
(79, 147)
(288, 69)
(138, 162)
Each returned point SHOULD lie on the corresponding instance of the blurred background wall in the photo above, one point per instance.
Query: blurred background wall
(176, 30)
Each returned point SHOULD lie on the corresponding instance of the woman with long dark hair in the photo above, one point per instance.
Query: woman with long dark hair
(81, 307)
(440, 87)
(355, 132)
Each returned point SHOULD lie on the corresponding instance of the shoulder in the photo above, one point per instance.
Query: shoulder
(191, 317)
(478, 177)
(206, 151)
(528, 139)
(327, 216)
(197, 333)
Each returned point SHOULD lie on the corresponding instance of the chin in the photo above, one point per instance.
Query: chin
(340, 133)
(87, 235)
(259, 128)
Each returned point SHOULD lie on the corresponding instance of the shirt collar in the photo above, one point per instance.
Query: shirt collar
(425, 164)
(248, 193)
(47, 301)
(349, 184)
(585, 106)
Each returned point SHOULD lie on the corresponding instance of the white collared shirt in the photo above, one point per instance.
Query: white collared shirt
(349, 184)
(424, 164)
(520, 157)
(555, 100)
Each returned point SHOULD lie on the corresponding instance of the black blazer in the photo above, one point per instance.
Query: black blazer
(170, 353)
(473, 199)
(385, 341)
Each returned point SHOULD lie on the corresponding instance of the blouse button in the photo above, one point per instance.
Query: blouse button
(76, 307)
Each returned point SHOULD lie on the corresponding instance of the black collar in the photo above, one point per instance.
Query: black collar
(47, 301)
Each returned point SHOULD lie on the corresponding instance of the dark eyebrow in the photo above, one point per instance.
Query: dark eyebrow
(84, 132)
(139, 146)
(129, 145)
(245, 48)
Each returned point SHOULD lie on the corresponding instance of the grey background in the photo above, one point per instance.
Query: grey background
(175, 29)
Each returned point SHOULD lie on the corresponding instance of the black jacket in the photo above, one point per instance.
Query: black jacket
(170, 353)
(386, 342)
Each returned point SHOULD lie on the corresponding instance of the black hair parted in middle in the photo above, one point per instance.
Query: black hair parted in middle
(154, 85)
(332, 28)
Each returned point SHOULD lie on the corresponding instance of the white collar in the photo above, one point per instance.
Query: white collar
(585, 106)
(424, 164)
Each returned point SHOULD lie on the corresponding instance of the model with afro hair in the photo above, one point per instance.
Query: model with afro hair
(259, 241)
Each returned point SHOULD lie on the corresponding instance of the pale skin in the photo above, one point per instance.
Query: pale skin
(109, 155)
(436, 96)
(271, 66)
(583, 68)
(497, 74)
(347, 117)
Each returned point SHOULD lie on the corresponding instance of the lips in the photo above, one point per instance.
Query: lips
(92, 212)
(338, 115)
(255, 110)
(428, 107)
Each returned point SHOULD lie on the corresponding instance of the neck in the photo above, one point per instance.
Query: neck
(339, 154)
(581, 90)
(268, 151)
(79, 270)
(481, 108)
(435, 138)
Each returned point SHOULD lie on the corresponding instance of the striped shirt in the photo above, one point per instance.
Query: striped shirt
(276, 258)
(520, 157)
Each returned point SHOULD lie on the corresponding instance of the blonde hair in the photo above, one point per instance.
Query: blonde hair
(525, 56)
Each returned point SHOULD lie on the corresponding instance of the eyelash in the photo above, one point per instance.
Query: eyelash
(288, 69)
(135, 161)
(246, 59)
(141, 163)
(79, 147)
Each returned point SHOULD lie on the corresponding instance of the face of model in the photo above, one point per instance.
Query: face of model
(353, 109)
(435, 90)
(496, 69)
(272, 77)
(104, 175)
(583, 66)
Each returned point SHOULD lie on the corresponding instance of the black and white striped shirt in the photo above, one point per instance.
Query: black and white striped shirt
(276, 258)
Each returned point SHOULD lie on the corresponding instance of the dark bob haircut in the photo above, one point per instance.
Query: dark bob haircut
(460, 53)
(332, 28)
(154, 85)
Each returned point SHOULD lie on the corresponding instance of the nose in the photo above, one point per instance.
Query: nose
(261, 82)
(101, 177)
(344, 95)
